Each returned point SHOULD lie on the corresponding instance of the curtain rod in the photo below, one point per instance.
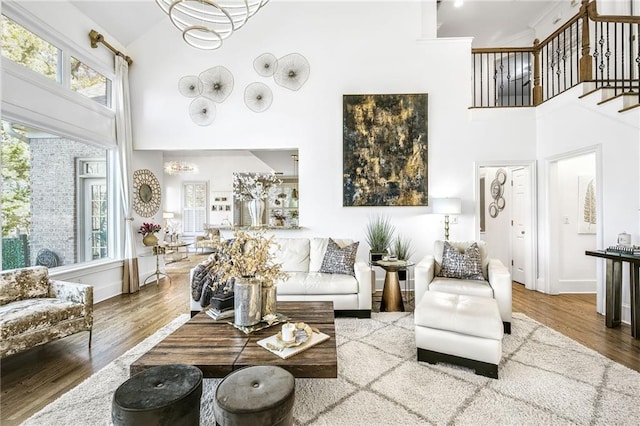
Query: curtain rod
(96, 38)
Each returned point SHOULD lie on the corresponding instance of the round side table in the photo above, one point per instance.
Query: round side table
(391, 293)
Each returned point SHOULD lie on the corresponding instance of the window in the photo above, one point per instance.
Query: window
(25, 48)
(92, 204)
(194, 207)
(55, 199)
(90, 83)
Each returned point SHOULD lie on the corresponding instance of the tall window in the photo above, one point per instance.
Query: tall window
(194, 207)
(90, 83)
(54, 199)
(27, 49)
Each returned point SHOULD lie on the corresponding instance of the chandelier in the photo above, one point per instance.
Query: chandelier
(179, 167)
(206, 23)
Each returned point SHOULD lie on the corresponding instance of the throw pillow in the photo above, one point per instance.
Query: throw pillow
(466, 266)
(339, 260)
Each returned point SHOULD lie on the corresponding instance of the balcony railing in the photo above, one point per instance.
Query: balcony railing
(601, 50)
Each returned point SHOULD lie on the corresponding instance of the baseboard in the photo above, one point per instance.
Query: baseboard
(577, 286)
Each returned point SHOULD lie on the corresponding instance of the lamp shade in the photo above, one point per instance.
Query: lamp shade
(447, 205)
(167, 215)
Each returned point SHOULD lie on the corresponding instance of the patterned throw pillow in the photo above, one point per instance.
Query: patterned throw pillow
(466, 266)
(339, 260)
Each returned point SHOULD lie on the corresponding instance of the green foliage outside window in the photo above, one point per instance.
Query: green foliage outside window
(16, 189)
(26, 48)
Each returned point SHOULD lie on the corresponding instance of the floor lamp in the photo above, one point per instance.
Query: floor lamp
(446, 206)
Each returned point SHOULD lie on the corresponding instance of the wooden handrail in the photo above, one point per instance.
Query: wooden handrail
(562, 28)
(588, 8)
(555, 64)
(594, 16)
(502, 49)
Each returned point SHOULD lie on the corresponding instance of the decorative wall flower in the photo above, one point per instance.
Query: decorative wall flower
(217, 83)
(258, 97)
(265, 64)
(202, 111)
(190, 86)
(292, 71)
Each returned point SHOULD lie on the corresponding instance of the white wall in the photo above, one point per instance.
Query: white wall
(577, 272)
(349, 53)
(566, 126)
(498, 229)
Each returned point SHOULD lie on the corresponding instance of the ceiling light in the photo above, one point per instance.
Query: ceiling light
(206, 23)
(458, 3)
(179, 167)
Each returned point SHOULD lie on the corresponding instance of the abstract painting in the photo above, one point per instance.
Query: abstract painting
(385, 150)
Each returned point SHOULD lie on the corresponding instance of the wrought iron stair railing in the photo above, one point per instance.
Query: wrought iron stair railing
(601, 51)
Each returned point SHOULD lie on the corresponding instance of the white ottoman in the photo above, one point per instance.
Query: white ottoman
(459, 329)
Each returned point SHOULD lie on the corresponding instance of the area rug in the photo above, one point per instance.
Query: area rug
(545, 379)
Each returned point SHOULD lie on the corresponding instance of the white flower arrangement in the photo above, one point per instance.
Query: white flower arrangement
(255, 186)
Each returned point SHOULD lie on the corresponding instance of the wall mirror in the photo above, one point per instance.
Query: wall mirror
(146, 193)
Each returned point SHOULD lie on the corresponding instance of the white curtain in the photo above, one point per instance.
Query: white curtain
(130, 280)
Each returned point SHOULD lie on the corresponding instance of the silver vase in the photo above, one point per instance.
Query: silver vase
(256, 208)
(247, 297)
(269, 303)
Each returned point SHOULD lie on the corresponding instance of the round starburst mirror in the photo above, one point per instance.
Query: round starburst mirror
(146, 195)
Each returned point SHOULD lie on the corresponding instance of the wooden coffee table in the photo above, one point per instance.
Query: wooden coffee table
(218, 348)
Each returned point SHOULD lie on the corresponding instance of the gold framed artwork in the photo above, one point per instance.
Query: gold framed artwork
(385, 150)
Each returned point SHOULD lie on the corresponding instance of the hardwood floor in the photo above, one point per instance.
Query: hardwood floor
(33, 379)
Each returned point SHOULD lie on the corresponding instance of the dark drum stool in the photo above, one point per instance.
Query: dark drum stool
(255, 396)
(164, 395)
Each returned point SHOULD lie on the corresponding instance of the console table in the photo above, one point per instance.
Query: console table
(613, 303)
(157, 252)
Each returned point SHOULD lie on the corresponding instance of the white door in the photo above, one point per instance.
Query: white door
(520, 226)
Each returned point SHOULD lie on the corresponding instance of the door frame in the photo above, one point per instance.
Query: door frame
(533, 243)
(550, 266)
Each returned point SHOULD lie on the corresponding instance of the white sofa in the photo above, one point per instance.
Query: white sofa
(302, 259)
(496, 285)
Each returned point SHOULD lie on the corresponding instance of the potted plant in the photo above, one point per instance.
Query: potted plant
(402, 249)
(148, 231)
(251, 262)
(379, 235)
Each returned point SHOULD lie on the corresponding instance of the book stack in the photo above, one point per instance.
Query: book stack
(217, 314)
(625, 249)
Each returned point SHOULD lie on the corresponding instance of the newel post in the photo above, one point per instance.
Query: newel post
(586, 60)
(537, 88)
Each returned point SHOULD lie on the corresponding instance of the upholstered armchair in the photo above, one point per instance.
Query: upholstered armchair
(35, 309)
(208, 240)
(493, 281)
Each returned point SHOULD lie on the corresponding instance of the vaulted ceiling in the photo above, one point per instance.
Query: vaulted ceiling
(490, 22)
